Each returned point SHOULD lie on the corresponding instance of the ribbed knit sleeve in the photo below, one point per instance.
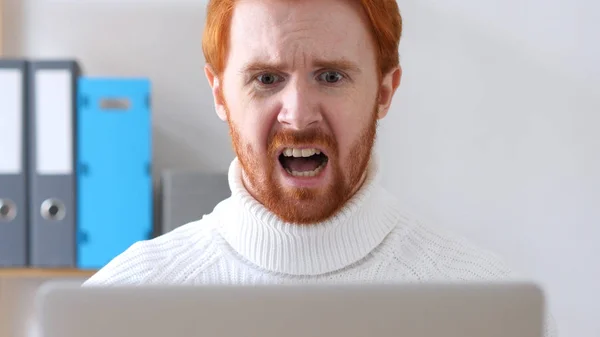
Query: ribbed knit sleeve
(183, 253)
(131, 267)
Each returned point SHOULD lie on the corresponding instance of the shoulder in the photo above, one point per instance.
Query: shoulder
(445, 255)
(460, 258)
(454, 257)
(147, 261)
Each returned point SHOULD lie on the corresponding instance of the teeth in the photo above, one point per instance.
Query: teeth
(288, 152)
(307, 173)
(308, 152)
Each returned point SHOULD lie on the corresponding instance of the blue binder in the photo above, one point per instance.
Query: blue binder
(114, 179)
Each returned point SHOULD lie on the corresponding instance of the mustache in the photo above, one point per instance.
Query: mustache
(309, 137)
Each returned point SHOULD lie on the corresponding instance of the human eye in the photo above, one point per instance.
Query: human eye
(268, 79)
(331, 77)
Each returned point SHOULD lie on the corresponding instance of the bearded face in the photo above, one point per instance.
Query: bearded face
(302, 178)
(302, 94)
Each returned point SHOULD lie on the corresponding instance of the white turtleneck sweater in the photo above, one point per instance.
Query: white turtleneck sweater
(372, 239)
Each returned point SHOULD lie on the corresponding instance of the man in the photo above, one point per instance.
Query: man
(302, 85)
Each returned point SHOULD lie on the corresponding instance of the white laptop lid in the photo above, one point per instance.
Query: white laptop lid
(409, 310)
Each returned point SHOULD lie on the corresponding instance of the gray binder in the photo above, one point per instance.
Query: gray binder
(13, 163)
(52, 112)
(188, 195)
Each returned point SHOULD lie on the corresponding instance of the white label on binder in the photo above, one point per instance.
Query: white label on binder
(54, 121)
(11, 121)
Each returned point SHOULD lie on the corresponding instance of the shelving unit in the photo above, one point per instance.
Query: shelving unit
(1, 27)
(14, 273)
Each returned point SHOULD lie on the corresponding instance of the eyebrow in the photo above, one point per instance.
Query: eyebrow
(340, 64)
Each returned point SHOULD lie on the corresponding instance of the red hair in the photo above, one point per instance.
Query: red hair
(384, 17)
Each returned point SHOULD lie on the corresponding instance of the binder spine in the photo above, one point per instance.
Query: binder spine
(52, 122)
(114, 168)
(13, 163)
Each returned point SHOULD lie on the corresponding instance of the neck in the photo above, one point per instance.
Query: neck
(269, 243)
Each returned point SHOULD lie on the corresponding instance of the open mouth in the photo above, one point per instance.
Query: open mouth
(307, 162)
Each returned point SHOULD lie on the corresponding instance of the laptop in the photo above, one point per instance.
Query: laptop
(367, 310)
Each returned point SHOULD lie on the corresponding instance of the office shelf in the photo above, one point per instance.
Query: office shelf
(43, 273)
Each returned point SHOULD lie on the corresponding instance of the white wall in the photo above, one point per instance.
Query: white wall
(492, 134)
(495, 135)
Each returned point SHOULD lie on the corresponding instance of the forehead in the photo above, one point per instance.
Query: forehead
(298, 32)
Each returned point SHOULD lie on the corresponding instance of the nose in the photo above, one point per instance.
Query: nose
(300, 109)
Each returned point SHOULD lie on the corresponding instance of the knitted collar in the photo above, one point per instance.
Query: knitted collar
(260, 237)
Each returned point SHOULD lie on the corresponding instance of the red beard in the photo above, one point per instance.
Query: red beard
(304, 205)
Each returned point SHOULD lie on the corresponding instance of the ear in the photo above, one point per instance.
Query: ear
(217, 91)
(389, 83)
